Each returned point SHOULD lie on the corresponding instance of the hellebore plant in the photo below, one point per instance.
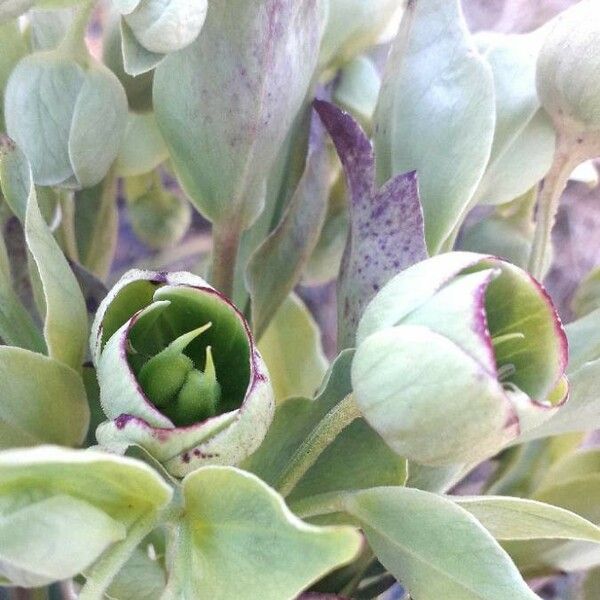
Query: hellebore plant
(175, 423)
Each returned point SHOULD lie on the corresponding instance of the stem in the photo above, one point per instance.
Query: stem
(105, 570)
(73, 44)
(334, 422)
(67, 225)
(362, 566)
(553, 186)
(226, 242)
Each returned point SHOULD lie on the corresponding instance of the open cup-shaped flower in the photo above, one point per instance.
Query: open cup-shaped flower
(458, 355)
(179, 372)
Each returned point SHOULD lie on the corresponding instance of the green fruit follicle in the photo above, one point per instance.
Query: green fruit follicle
(174, 385)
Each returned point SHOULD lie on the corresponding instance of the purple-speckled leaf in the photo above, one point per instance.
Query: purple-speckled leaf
(386, 231)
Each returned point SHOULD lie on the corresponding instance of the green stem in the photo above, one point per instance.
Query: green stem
(67, 225)
(73, 44)
(553, 186)
(334, 422)
(104, 571)
(226, 242)
(363, 563)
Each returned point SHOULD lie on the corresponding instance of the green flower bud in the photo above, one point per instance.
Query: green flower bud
(179, 373)
(68, 116)
(568, 72)
(457, 356)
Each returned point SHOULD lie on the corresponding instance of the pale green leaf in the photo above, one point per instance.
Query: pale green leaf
(42, 401)
(17, 327)
(373, 462)
(522, 519)
(249, 546)
(83, 499)
(12, 48)
(48, 27)
(225, 103)
(436, 113)
(523, 145)
(66, 324)
(587, 296)
(291, 348)
(52, 539)
(96, 225)
(141, 578)
(276, 266)
(437, 549)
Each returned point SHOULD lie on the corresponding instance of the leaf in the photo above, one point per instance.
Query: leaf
(42, 401)
(53, 539)
(436, 114)
(83, 500)
(521, 519)
(96, 225)
(141, 578)
(65, 325)
(17, 328)
(523, 145)
(276, 265)
(239, 87)
(143, 148)
(250, 545)
(437, 549)
(372, 464)
(291, 348)
(386, 232)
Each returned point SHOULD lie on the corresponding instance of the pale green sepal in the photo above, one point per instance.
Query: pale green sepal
(121, 292)
(509, 518)
(428, 399)
(43, 401)
(216, 548)
(48, 27)
(120, 393)
(53, 539)
(224, 144)
(136, 59)
(65, 324)
(97, 126)
(456, 313)
(411, 289)
(143, 148)
(40, 98)
(433, 51)
(292, 350)
(12, 48)
(164, 27)
(437, 549)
